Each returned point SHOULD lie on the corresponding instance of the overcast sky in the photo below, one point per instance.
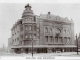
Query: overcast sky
(11, 12)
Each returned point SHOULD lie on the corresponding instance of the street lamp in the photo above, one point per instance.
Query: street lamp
(77, 43)
(32, 39)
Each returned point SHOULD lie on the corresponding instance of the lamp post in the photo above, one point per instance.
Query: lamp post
(32, 39)
(77, 43)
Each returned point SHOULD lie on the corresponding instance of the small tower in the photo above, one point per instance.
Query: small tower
(27, 11)
(48, 15)
(79, 34)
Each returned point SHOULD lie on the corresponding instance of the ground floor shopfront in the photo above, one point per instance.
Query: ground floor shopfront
(44, 49)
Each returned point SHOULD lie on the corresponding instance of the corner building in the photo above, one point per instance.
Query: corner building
(47, 33)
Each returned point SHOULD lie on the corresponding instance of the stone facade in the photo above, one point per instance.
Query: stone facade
(47, 33)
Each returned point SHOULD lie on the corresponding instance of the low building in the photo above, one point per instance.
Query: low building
(47, 33)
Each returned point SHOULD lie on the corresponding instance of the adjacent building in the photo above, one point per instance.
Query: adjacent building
(47, 33)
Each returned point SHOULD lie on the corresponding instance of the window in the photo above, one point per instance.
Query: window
(69, 31)
(21, 42)
(26, 27)
(60, 39)
(30, 19)
(56, 39)
(17, 38)
(65, 31)
(34, 20)
(65, 39)
(17, 31)
(34, 28)
(68, 40)
(34, 42)
(27, 19)
(29, 27)
(21, 36)
(46, 29)
(13, 41)
(50, 38)
(58, 31)
(34, 36)
(46, 38)
(25, 42)
(38, 37)
(50, 30)
(26, 36)
(13, 34)
(53, 39)
(38, 29)
(21, 28)
(30, 36)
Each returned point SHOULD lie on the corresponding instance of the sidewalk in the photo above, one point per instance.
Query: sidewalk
(41, 54)
(58, 54)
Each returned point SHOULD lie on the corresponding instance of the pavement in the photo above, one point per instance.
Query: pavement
(41, 54)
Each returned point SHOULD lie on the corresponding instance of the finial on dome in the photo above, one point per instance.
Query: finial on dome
(28, 5)
(49, 12)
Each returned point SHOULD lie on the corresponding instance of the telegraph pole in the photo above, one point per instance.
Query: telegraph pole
(77, 43)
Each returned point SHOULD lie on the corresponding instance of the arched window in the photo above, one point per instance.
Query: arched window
(46, 29)
(58, 30)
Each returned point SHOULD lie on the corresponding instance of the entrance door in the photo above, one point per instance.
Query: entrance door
(58, 50)
(45, 50)
(17, 50)
(26, 50)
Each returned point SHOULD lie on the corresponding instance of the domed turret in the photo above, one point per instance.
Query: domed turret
(27, 11)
